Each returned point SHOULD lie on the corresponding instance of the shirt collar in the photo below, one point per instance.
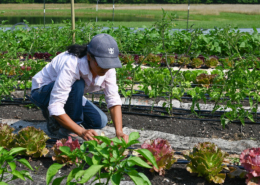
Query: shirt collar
(84, 69)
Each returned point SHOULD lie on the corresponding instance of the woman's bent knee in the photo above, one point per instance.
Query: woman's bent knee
(103, 120)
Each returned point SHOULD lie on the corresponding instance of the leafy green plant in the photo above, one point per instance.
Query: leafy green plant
(171, 60)
(142, 60)
(196, 62)
(64, 142)
(154, 59)
(183, 60)
(7, 159)
(235, 160)
(211, 62)
(226, 62)
(106, 161)
(162, 152)
(206, 160)
(6, 136)
(31, 105)
(34, 140)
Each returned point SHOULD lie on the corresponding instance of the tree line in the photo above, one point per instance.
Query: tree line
(140, 1)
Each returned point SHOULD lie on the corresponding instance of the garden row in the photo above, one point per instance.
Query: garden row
(159, 59)
(110, 159)
(229, 87)
(157, 39)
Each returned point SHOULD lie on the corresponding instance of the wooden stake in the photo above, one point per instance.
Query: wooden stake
(73, 21)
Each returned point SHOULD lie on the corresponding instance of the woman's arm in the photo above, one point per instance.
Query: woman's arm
(65, 121)
(116, 115)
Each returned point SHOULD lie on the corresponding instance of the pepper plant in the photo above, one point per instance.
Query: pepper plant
(8, 170)
(106, 160)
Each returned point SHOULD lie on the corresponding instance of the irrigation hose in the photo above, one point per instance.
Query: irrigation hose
(152, 115)
(27, 101)
(197, 119)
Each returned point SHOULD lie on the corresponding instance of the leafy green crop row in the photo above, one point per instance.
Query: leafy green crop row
(131, 41)
(237, 84)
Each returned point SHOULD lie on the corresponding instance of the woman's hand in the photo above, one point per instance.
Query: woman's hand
(120, 134)
(89, 134)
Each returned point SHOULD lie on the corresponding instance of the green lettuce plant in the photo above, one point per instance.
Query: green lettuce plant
(196, 63)
(206, 160)
(184, 60)
(226, 62)
(8, 170)
(171, 60)
(106, 161)
(6, 136)
(152, 58)
(162, 152)
(211, 62)
(34, 140)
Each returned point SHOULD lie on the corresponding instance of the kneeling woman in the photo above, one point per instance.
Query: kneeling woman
(59, 87)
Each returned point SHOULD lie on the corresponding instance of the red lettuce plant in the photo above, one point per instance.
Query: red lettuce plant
(162, 152)
(6, 136)
(64, 142)
(205, 80)
(206, 160)
(250, 160)
(142, 59)
(126, 58)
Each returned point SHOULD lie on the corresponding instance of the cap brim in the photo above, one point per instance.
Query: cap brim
(107, 63)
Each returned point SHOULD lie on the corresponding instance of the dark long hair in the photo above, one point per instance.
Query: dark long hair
(78, 50)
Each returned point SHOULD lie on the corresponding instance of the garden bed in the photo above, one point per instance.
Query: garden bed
(183, 127)
(177, 174)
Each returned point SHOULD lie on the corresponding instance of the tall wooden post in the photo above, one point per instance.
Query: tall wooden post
(73, 21)
(188, 14)
(44, 13)
(113, 9)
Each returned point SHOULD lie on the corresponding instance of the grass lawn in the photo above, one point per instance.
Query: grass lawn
(202, 16)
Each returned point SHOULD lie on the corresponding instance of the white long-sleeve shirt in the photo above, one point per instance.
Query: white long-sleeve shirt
(65, 69)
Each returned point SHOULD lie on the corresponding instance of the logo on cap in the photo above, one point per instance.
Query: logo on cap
(111, 50)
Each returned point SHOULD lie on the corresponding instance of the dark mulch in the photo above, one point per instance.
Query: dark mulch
(177, 174)
(183, 127)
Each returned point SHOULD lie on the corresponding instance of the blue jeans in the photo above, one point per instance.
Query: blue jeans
(90, 116)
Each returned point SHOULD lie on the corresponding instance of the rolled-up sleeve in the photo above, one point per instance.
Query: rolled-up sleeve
(111, 90)
(62, 87)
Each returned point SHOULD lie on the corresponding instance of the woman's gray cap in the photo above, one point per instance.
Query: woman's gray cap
(105, 50)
